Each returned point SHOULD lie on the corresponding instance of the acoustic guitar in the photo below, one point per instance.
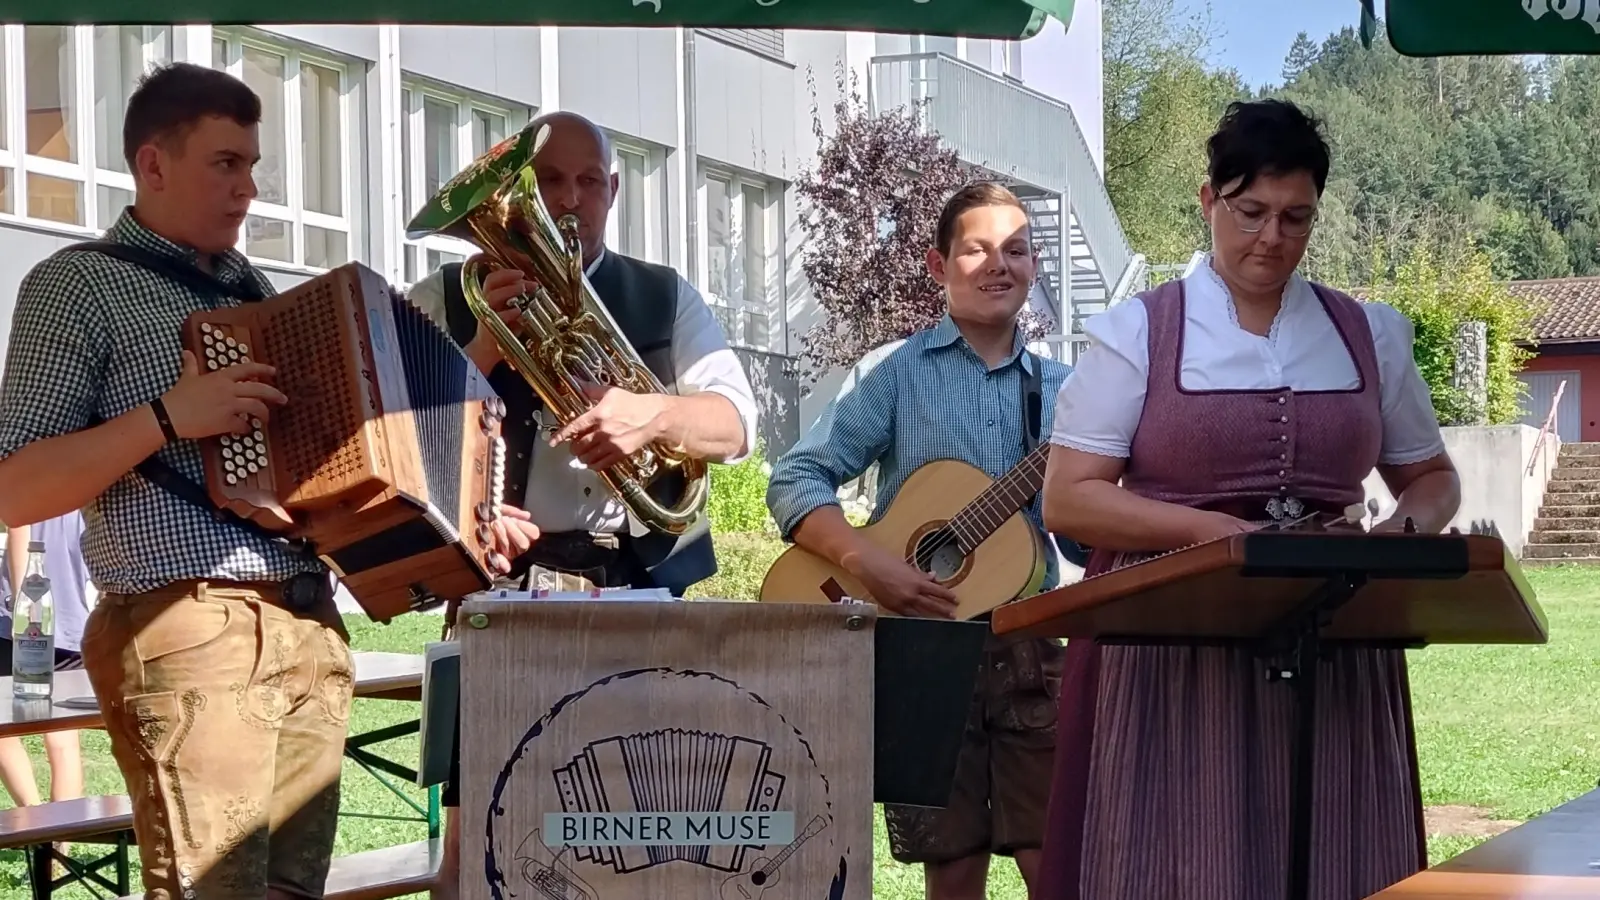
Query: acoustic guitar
(951, 520)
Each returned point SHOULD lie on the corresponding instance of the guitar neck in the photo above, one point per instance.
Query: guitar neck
(809, 833)
(979, 519)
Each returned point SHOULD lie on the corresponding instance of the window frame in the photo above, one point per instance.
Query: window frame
(654, 208)
(414, 92)
(18, 165)
(295, 212)
(772, 249)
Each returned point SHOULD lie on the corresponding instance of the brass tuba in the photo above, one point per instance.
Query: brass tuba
(564, 335)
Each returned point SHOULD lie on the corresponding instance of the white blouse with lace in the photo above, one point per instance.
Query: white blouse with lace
(1099, 407)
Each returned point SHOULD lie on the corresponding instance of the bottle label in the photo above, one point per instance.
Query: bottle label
(33, 656)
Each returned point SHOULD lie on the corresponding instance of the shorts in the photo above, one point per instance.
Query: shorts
(226, 714)
(1001, 791)
(65, 659)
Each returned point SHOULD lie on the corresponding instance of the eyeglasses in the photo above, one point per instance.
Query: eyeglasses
(1294, 222)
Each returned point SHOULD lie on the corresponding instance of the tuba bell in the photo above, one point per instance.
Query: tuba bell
(564, 334)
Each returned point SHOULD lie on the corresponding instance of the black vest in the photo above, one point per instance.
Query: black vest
(643, 299)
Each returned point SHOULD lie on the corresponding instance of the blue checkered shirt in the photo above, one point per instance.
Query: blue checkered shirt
(94, 336)
(933, 398)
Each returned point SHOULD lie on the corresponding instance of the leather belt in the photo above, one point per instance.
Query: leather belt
(575, 551)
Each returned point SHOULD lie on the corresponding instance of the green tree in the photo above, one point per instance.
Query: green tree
(1162, 101)
(1302, 53)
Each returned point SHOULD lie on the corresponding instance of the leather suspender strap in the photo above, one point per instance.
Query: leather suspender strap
(1032, 401)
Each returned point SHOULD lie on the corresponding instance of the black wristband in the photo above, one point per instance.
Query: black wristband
(160, 409)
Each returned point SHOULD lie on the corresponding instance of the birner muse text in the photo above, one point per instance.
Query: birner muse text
(668, 829)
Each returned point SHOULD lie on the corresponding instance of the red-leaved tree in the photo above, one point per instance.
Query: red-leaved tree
(869, 211)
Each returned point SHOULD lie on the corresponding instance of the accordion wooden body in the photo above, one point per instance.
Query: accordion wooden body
(387, 457)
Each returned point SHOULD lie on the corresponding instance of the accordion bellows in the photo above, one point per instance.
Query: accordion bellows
(387, 457)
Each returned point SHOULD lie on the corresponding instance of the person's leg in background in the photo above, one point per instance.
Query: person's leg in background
(16, 772)
(16, 769)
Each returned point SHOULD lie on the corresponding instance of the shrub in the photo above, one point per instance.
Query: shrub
(738, 500)
(1439, 299)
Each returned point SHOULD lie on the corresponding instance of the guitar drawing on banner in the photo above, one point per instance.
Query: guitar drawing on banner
(951, 520)
(763, 872)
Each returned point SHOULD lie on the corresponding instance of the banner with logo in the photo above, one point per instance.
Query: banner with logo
(1487, 27)
(621, 750)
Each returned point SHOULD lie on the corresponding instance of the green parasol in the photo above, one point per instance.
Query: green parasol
(971, 18)
(1486, 27)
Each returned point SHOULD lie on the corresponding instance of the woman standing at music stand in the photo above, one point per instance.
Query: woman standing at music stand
(1240, 395)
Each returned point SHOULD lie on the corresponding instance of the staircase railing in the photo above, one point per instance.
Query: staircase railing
(1551, 420)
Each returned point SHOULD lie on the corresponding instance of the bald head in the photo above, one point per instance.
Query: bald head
(573, 131)
(574, 170)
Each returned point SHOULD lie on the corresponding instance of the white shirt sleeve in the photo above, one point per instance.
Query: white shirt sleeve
(1099, 406)
(1410, 426)
(703, 361)
(428, 296)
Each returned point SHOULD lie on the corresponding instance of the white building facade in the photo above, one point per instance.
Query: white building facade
(711, 128)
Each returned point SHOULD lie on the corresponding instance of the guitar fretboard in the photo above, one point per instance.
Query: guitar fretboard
(979, 519)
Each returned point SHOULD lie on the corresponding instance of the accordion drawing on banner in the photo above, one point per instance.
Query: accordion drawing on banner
(672, 770)
(387, 457)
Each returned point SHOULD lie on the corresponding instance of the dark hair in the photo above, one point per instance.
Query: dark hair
(973, 196)
(1266, 137)
(172, 99)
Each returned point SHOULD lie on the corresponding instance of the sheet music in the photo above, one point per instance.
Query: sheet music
(659, 595)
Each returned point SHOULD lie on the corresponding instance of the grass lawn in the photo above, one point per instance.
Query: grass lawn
(1506, 733)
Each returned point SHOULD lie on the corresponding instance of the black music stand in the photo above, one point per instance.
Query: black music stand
(1331, 570)
(926, 672)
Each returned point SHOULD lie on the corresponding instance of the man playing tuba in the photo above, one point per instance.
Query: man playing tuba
(586, 539)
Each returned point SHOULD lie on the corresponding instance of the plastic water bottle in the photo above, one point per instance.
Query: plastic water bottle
(33, 631)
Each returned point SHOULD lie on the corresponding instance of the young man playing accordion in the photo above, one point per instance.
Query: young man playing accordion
(218, 657)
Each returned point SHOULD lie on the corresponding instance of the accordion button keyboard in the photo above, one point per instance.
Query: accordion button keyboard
(243, 455)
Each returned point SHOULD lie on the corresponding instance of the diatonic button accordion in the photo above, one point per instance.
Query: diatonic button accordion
(387, 457)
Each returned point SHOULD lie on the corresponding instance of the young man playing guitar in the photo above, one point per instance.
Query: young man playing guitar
(962, 389)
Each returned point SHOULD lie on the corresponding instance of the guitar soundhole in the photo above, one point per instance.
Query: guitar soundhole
(939, 554)
(758, 878)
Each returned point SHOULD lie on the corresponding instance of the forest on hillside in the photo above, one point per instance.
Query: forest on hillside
(1493, 153)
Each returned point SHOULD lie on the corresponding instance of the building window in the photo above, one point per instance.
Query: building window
(61, 159)
(301, 215)
(765, 41)
(635, 227)
(740, 246)
(439, 134)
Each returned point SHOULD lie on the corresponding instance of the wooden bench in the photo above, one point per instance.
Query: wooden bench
(383, 873)
(86, 820)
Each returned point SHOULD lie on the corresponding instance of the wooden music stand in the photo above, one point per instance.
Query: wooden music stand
(1285, 594)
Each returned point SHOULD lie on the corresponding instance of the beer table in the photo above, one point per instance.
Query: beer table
(1553, 857)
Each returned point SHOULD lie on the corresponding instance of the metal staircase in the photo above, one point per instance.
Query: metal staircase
(1033, 142)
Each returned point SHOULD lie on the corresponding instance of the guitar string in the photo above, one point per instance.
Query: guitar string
(922, 555)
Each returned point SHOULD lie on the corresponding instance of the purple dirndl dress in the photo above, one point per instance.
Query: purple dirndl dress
(1173, 764)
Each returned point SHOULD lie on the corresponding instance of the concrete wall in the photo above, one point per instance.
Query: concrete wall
(1498, 494)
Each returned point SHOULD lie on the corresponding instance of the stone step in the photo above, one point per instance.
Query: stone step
(1580, 448)
(1541, 536)
(1565, 472)
(1574, 486)
(1567, 523)
(1529, 562)
(1570, 511)
(1571, 498)
(1561, 551)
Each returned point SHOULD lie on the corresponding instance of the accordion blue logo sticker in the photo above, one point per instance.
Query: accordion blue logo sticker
(721, 798)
